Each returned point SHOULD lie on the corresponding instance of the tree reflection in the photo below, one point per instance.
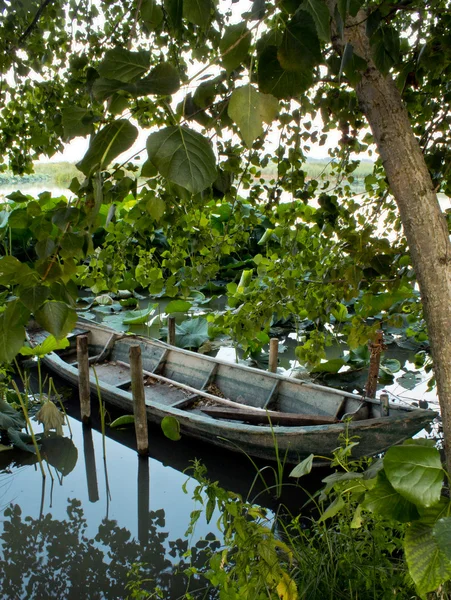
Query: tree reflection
(50, 558)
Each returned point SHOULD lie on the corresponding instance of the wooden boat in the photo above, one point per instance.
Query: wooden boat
(234, 406)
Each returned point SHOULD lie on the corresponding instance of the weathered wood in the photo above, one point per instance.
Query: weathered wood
(273, 355)
(139, 400)
(385, 407)
(376, 348)
(83, 378)
(171, 331)
(268, 417)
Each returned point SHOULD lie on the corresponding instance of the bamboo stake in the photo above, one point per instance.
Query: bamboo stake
(385, 408)
(83, 378)
(171, 331)
(139, 400)
(273, 355)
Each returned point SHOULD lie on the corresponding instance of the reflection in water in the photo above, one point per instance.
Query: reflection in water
(143, 499)
(90, 464)
(50, 558)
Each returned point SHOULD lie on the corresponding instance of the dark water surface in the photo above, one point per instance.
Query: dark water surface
(78, 535)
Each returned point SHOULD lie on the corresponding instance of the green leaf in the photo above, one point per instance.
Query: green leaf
(148, 169)
(12, 271)
(61, 453)
(138, 317)
(234, 46)
(57, 318)
(171, 428)
(390, 365)
(300, 49)
(12, 332)
(76, 122)
(23, 441)
(124, 65)
(174, 306)
(192, 333)
(107, 144)
(174, 11)
(19, 219)
(155, 206)
(249, 108)
(197, 12)
(409, 380)
(10, 417)
(428, 565)
(273, 79)
(340, 312)
(162, 80)
(337, 505)
(184, 157)
(442, 534)
(415, 472)
(320, 13)
(303, 468)
(385, 501)
(329, 366)
(123, 421)
(50, 344)
(151, 14)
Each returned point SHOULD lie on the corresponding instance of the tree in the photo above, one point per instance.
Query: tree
(104, 69)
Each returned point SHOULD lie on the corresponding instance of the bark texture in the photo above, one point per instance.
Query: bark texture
(424, 224)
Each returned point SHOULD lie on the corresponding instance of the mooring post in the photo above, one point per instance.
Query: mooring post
(376, 349)
(90, 464)
(385, 408)
(139, 400)
(273, 355)
(171, 331)
(83, 378)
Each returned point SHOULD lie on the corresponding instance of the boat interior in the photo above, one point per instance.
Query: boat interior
(190, 381)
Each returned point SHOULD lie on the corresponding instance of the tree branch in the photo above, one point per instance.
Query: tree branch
(34, 22)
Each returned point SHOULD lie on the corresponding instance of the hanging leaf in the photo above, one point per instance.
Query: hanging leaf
(337, 505)
(273, 79)
(151, 14)
(303, 468)
(300, 49)
(155, 206)
(57, 318)
(385, 501)
(107, 144)
(442, 534)
(197, 12)
(50, 344)
(171, 428)
(321, 16)
(77, 121)
(234, 46)
(174, 12)
(184, 157)
(249, 108)
(51, 417)
(415, 472)
(124, 65)
(12, 271)
(12, 331)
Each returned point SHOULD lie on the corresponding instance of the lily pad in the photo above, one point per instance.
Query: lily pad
(192, 333)
(138, 317)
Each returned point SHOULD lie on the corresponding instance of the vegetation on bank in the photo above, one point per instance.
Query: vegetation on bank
(58, 174)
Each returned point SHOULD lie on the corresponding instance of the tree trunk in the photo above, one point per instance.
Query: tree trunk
(423, 222)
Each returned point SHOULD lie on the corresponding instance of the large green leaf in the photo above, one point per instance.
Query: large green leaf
(197, 12)
(273, 79)
(428, 565)
(415, 472)
(300, 49)
(107, 144)
(138, 317)
(12, 271)
(77, 121)
(177, 306)
(442, 534)
(385, 501)
(192, 333)
(249, 108)
(321, 15)
(234, 46)
(9, 417)
(12, 332)
(57, 318)
(184, 157)
(151, 14)
(174, 13)
(303, 468)
(171, 428)
(50, 344)
(34, 297)
(162, 80)
(124, 65)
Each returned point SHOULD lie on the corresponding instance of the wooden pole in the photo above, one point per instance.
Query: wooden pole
(273, 355)
(139, 400)
(385, 408)
(171, 331)
(83, 378)
(375, 359)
